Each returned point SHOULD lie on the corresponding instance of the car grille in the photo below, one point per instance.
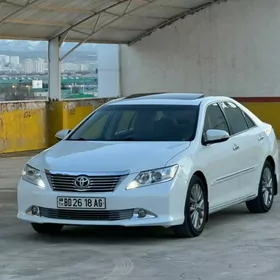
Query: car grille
(61, 182)
(87, 215)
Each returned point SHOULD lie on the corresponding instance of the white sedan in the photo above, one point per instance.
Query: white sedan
(166, 159)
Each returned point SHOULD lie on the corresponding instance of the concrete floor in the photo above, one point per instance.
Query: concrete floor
(235, 245)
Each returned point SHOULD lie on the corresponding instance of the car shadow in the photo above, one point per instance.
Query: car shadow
(135, 235)
(106, 235)
(230, 214)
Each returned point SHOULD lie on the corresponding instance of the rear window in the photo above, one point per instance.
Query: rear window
(235, 117)
(249, 121)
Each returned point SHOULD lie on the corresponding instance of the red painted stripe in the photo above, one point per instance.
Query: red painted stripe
(257, 99)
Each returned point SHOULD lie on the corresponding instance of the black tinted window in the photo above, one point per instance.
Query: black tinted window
(235, 117)
(249, 121)
(215, 119)
(140, 123)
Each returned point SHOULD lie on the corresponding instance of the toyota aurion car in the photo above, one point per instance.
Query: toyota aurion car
(160, 159)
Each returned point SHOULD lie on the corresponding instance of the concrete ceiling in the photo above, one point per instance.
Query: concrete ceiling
(97, 21)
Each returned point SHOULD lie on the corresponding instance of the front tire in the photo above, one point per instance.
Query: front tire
(47, 228)
(263, 202)
(195, 210)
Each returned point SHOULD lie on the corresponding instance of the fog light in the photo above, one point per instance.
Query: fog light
(142, 213)
(35, 210)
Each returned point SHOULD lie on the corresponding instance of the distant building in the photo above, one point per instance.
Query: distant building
(4, 59)
(39, 66)
(28, 66)
(46, 66)
(91, 66)
(14, 60)
(69, 66)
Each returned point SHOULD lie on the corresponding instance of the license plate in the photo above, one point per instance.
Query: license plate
(81, 202)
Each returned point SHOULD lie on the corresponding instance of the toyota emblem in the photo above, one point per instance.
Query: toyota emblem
(82, 182)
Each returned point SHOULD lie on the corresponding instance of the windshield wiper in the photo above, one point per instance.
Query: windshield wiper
(125, 139)
(79, 139)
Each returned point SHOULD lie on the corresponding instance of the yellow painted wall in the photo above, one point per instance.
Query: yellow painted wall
(67, 114)
(268, 112)
(26, 126)
(55, 119)
(22, 126)
(75, 112)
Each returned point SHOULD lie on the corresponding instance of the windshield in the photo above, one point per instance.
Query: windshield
(139, 123)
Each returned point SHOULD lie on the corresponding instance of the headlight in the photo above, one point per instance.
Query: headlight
(33, 176)
(151, 177)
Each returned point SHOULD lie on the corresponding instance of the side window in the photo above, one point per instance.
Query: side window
(214, 118)
(249, 121)
(235, 117)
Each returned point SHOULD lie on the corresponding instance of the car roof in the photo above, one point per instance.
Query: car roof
(167, 98)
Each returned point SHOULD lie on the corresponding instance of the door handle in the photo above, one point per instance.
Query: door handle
(235, 147)
(260, 138)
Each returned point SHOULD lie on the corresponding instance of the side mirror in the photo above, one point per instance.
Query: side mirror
(62, 134)
(213, 136)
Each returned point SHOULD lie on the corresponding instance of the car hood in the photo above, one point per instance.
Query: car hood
(83, 156)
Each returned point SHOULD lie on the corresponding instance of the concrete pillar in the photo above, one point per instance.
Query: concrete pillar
(66, 114)
(54, 69)
(55, 117)
(108, 71)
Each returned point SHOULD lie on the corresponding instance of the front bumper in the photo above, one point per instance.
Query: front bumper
(165, 201)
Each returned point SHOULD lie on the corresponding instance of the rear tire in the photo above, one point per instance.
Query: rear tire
(263, 202)
(47, 228)
(196, 210)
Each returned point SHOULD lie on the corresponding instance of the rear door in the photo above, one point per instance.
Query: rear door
(248, 140)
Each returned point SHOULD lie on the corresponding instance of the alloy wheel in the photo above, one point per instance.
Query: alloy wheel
(197, 212)
(267, 187)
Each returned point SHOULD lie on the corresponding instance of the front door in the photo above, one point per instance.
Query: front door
(220, 161)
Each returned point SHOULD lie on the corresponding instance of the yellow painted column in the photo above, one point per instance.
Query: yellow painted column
(67, 114)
